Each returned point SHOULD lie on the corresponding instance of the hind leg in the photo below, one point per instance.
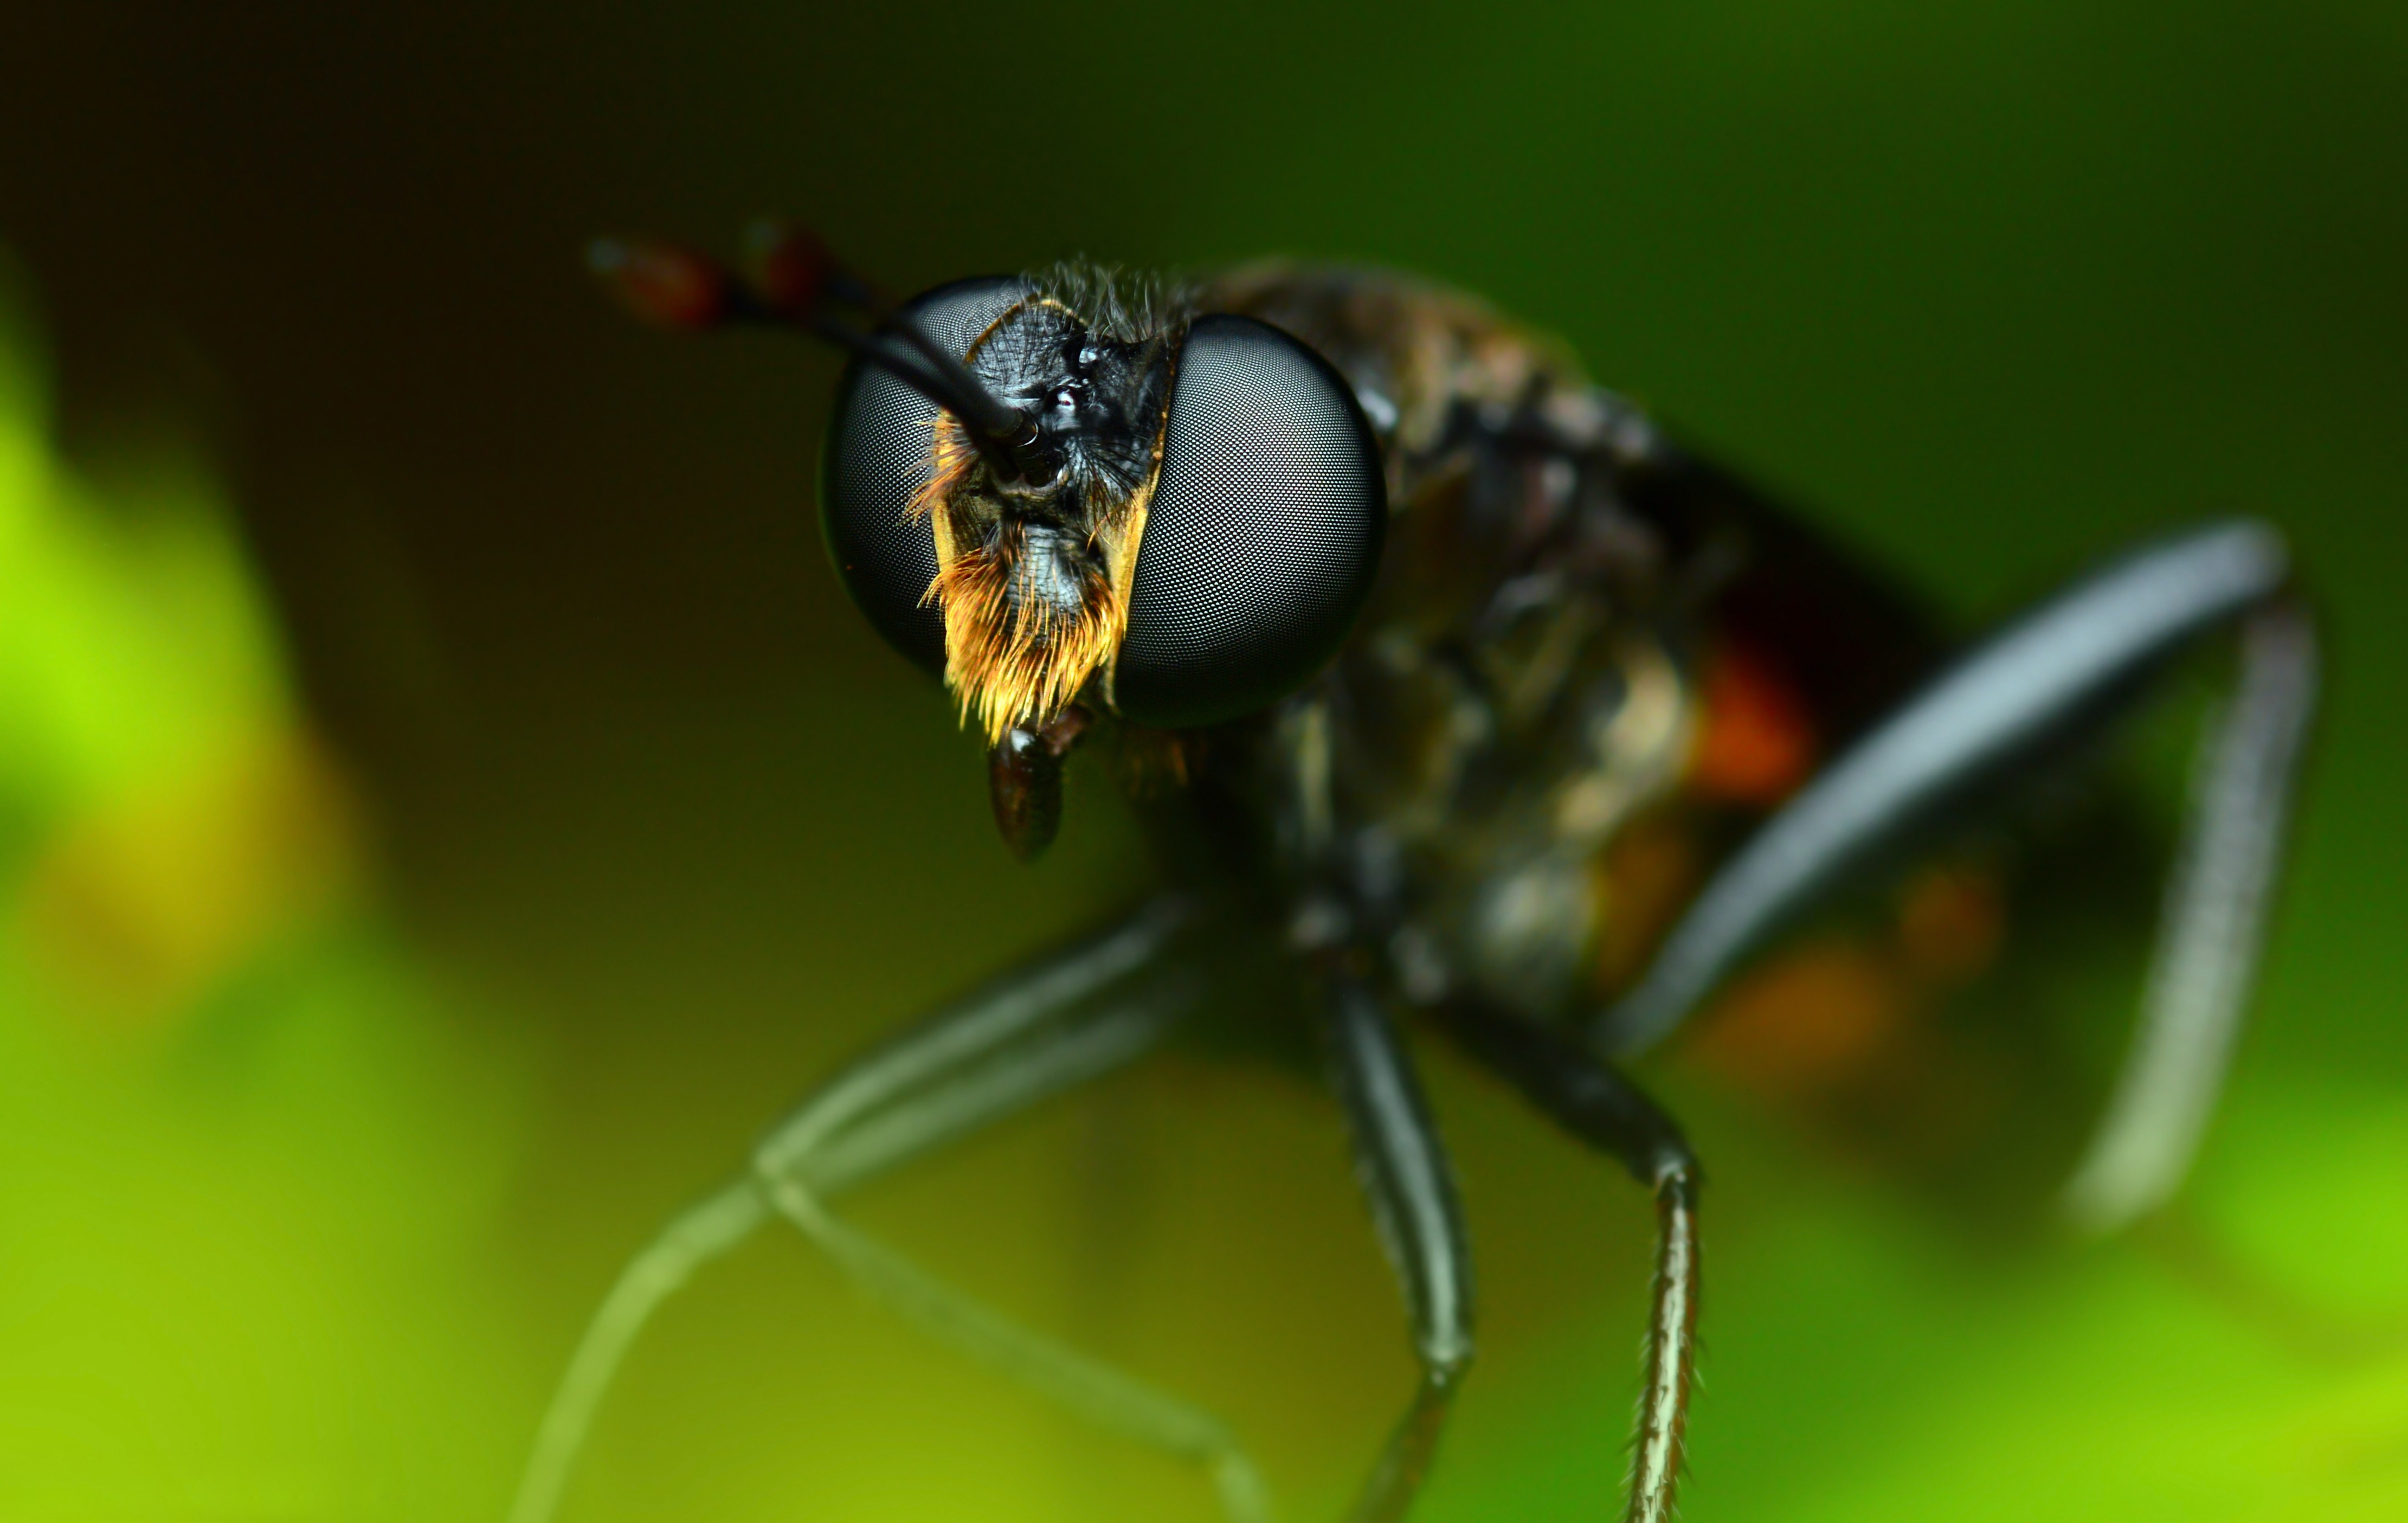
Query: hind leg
(2214, 925)
(1030, 1036)
(2064, 666)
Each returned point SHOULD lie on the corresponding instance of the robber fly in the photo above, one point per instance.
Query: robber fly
(1393, 625)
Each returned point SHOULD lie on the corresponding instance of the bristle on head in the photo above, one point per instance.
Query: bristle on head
(1016, 660)
(1013, 656)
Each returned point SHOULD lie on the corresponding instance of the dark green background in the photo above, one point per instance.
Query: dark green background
(1994, 289)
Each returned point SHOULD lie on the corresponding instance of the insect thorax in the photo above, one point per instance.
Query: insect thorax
(1517, 692)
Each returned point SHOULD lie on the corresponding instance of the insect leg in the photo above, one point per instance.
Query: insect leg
(2010, 695)
(1029, 1036)
(2048, 674)
(2214, 926)
(698, 1235)
(1594, 1103)
(796, 1182)
(1405, 1175)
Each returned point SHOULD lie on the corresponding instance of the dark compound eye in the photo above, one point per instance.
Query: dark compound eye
(1264, 533)
(876, 458)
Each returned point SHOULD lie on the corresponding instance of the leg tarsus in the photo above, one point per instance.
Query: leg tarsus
(1397, 1479)
(704, 1232)
(1672, 1352)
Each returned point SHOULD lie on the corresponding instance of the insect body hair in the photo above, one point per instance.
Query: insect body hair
(1123, 306)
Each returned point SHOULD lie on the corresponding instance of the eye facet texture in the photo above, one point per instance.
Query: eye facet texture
(876, 458)
(1264, 533)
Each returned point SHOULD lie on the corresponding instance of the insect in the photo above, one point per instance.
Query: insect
(1394, 627)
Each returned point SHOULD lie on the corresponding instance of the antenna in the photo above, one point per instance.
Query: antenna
(795, 281)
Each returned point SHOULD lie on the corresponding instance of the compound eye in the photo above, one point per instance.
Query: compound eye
(1263, 535)
(877, 456)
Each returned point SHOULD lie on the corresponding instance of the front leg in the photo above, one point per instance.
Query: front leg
(1029, 1036)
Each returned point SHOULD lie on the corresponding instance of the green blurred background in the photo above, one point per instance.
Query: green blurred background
(447, 807)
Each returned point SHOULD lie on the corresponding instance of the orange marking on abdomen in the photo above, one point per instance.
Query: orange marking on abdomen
(1813, 1017)
(1756, 740)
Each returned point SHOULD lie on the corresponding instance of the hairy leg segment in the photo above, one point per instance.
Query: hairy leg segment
(1409, 1185)
(1596, 1104)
